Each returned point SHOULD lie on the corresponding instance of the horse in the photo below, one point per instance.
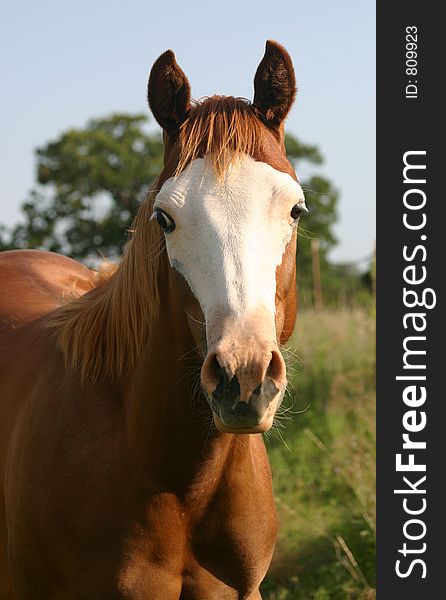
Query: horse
(133, 398)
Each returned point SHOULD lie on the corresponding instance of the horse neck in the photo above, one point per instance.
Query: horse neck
(169, 423)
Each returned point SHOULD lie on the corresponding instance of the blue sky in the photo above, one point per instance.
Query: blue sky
(65, 62)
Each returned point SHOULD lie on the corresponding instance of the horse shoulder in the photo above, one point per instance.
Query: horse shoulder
(34, 282)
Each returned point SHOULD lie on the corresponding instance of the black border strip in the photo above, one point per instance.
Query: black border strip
(410, 122)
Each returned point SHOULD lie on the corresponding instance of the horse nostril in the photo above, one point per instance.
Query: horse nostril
(228, 388)
(276, 367)
(219, 381)
(215, 370)
(211, 373)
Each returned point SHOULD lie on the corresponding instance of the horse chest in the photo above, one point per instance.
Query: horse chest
(220, 552)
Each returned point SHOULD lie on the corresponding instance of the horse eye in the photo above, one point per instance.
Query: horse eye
(166, 223)
(296, 211)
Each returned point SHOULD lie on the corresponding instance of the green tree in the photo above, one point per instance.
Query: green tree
(90, 182)
(321, 199)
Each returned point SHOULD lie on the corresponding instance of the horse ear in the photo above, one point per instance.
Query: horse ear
(274, 84)
(168, 92)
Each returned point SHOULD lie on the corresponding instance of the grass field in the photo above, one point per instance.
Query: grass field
(324, 467)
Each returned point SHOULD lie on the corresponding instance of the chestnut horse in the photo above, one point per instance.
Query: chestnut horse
(121, 477)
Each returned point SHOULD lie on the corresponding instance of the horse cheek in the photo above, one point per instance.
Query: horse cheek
(286, 293)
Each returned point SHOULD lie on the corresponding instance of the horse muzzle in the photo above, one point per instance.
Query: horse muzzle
(244, 390)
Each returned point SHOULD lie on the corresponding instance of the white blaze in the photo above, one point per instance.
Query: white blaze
(230, 235)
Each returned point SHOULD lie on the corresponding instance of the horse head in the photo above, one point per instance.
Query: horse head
(228, 203)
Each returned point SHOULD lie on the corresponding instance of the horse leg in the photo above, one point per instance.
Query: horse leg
(6, 586)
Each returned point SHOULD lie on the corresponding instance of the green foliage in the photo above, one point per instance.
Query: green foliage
(296, 149)
(341, 284)
(94, 179)
(324, 469)
(321, 199)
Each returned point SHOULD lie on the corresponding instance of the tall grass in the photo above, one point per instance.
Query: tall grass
(324, 467)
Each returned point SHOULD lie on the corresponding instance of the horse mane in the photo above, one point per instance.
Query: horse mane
(104, 332)
(222, 129)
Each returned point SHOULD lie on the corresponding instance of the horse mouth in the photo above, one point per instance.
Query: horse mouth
(243, 427)
(244, 417)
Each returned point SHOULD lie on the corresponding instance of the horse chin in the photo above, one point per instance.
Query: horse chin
(243, 427)
(243, 418)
